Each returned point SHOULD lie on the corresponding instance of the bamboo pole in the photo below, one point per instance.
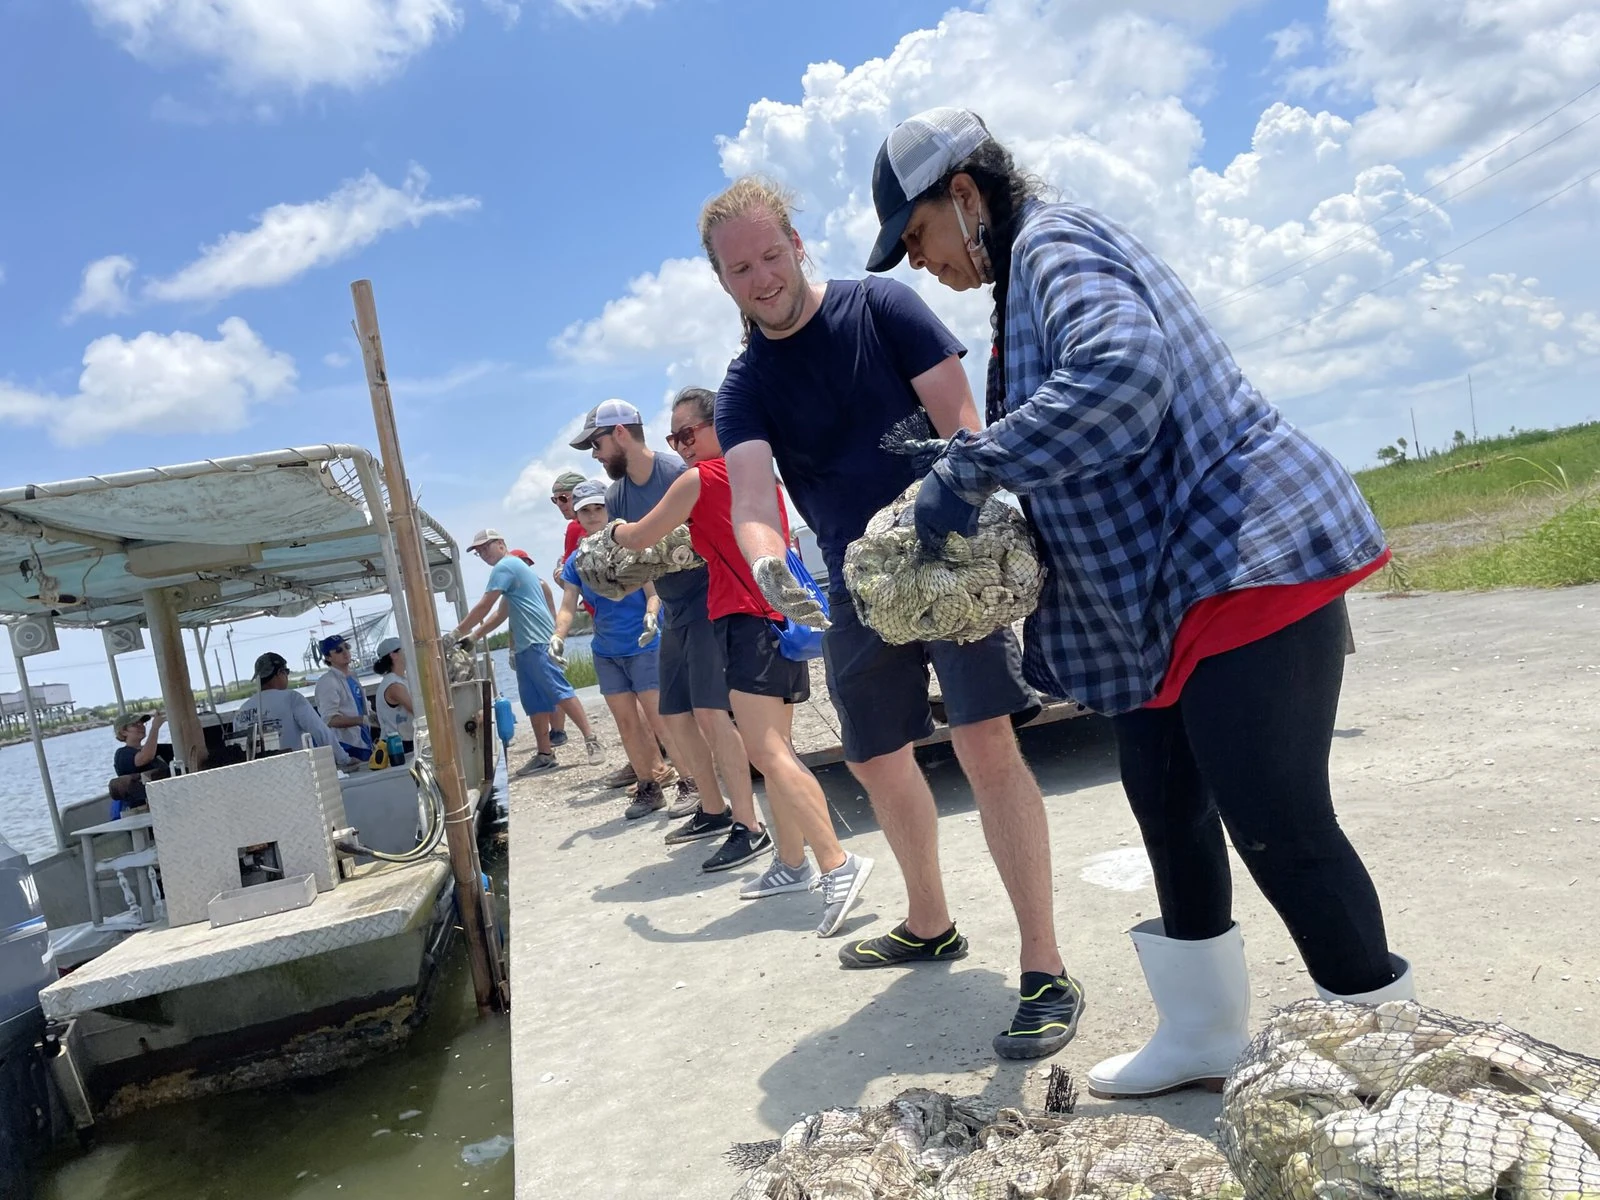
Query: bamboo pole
(487, 983)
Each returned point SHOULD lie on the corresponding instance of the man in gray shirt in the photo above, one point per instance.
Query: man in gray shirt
(280, 710)
(694, 685)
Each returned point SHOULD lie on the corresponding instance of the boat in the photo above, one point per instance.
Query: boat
(270, 917)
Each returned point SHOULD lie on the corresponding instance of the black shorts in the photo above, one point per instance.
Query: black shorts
(693, 674)
(755, 664)
(881, 691)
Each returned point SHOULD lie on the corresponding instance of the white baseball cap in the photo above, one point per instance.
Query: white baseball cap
(483, 537)
(606, 415)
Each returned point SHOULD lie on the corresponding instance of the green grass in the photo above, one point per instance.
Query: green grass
(1517, 511)
(1563, 551)
(1486, 475)
(580, 671)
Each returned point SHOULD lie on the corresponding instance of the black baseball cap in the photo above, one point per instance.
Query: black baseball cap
(915, 156)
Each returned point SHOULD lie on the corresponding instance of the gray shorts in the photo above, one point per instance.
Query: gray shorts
(693, 673)
(881, 691)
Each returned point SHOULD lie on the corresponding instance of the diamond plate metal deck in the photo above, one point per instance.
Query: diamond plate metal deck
(378, 903)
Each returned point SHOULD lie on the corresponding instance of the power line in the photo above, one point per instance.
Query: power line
(1267, 279)
(1412, 270)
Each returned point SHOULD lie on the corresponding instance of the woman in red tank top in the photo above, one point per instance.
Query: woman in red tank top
(762, 684)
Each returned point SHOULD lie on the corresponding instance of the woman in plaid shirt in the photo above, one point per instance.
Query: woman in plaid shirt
(1199, 548)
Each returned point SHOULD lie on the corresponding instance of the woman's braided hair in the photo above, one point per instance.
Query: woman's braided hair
(1005, 189)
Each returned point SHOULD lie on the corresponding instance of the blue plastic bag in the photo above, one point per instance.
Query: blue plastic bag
(796, 642)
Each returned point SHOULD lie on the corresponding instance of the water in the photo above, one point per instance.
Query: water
(344, 1137)
(80, 767)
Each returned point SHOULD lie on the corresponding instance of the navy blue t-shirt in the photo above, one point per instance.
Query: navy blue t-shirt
(823, 397)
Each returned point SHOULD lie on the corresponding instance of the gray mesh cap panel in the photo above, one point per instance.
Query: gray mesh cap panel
(922, 148)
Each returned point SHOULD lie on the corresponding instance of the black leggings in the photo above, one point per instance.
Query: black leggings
(1246, 747)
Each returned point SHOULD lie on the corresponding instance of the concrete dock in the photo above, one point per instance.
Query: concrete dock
(657, 1019)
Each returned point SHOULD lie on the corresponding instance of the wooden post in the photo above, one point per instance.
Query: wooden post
(482, 943)
(172, 667)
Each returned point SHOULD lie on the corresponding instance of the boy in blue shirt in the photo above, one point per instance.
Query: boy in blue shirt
(541, 684)
(627, 645)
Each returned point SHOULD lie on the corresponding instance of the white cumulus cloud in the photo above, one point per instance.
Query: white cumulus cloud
(158, 384)
(603, 8)
(104, 289)
(281, 44)
(1313, 254)
(291, 239)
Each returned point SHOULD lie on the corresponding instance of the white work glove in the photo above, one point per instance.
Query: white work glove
(652, 625)
(784, 593)
(558, 649)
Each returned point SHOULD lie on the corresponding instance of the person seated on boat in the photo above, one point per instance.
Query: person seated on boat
(283, 716)
(517, 594)
(393, 697)
(341, 701)
(141, 757)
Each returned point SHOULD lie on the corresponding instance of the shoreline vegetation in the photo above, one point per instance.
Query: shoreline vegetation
(1519, 510)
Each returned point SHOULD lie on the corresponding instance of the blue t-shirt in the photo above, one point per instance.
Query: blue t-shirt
(823, 397)
(531, 622)
(617, 623)
(683, 593)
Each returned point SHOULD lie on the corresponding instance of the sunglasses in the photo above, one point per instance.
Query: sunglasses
(561, 498)
(679, 438)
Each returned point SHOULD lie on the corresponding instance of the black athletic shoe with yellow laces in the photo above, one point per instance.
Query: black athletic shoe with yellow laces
(900, 947)
(1046, 1019)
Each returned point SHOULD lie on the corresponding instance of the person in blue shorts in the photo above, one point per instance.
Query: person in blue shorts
(627, 656)
(541, 685)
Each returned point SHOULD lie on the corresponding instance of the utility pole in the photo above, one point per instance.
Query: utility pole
(1472, 406)
(231, 658)
(1416, 442)
(482, 936)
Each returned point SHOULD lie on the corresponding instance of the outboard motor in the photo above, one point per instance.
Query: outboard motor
(26, 966)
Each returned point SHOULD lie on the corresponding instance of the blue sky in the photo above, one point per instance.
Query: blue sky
(521, 181)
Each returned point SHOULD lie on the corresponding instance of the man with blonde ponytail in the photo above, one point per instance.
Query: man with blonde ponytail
(826, 371)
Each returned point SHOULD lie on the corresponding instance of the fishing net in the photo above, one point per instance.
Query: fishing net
(973, 587)
(1398, 1102)
(609, 570)
(925, 1145)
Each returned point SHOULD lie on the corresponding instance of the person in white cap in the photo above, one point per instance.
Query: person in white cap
(828, 370)
(694, 688)
(514, 592)
(1198, 549)
(396, 713)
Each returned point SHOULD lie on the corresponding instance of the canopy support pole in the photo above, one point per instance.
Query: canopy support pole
(116, 681)
(172, 667)
(38, 749)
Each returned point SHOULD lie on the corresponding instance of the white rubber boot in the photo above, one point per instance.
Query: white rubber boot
(1202, 996)
(1401, 989)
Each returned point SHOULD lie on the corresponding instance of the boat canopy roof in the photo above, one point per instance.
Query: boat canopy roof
(269, 534)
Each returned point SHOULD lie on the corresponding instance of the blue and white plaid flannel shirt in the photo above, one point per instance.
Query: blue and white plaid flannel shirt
(1153, 473)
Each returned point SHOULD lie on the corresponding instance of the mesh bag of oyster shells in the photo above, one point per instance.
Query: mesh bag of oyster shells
(967, 591)
(611, 571)
(1399, 1102)
(926, 1145)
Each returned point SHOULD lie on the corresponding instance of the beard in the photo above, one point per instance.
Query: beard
(791, 316)
(615, 465)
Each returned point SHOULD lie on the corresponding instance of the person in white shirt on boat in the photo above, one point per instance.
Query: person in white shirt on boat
(341, 701)
(393, 698)
(283, 714)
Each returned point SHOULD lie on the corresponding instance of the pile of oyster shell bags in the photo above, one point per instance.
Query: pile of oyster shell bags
(611, 571)
(925, 1145)
(1399, 1102)
(972, 587)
